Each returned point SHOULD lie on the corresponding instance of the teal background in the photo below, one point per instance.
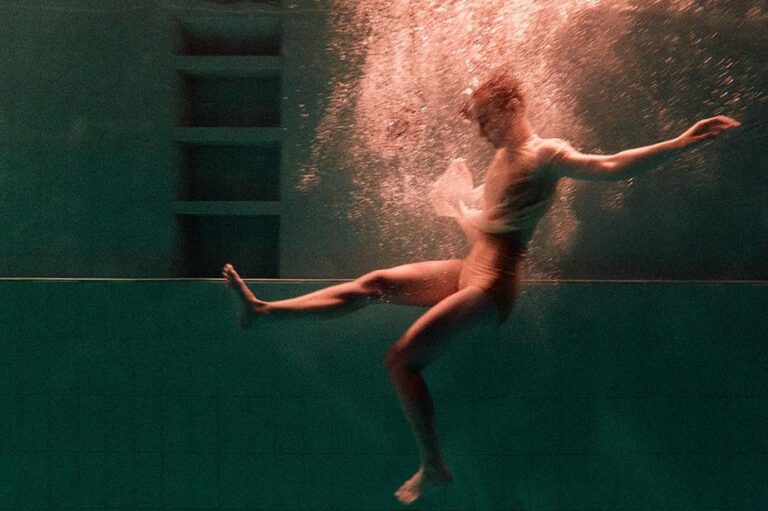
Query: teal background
(84, 140)
(614, 396)
(88, 105)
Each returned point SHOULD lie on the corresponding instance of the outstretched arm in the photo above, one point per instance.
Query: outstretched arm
(614, 167)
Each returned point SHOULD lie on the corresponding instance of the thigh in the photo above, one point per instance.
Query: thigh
(469, 312)
(424, 283)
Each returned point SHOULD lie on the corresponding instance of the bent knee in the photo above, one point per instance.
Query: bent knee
(374, 284)
(393, 358)
(398, 360)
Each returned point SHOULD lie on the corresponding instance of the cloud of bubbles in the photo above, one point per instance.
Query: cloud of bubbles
(404, 69)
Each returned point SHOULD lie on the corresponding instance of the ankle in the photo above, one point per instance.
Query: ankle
(260, 307)
(435, 467)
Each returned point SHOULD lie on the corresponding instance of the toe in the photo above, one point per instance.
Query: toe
(405, 495)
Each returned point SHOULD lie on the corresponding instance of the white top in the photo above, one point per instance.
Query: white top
(517, 192)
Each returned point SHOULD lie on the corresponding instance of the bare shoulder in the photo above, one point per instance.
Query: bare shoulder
(550, 151)
(551, 147)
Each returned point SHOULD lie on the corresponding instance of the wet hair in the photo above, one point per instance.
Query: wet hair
(502, 91)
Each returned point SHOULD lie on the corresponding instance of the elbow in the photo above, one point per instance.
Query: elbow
(612, 169)
(598, 168)
(603, 169)
(607, 165)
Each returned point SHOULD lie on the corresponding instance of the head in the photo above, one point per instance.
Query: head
(498, 106)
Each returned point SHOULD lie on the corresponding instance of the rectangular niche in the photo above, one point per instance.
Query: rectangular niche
(230, 35)
(229, 172)
(251, 243)
(232, 102)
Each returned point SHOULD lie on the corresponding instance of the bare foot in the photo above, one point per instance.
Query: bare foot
(421, 482)
(248, 305)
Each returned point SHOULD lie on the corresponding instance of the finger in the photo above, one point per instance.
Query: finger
(727, 126)
(728, 121)
(719, 125)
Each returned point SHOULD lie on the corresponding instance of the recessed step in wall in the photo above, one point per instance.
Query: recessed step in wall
(230, 35)
(229, 66)
(228, 140)
(239, 136)
(251, 243)
(228, 101)
(227, 208)
(228, 172)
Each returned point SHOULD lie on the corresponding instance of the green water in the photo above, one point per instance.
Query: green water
(144, 395)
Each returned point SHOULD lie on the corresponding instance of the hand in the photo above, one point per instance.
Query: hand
(708, 128)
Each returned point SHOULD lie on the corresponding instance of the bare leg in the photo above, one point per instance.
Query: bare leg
(421, 344)
(423, 283)
(248, 305)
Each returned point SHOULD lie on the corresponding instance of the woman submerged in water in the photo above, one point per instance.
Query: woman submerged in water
(498, 218)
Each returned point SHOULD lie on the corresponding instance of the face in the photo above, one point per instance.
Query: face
(493, 123)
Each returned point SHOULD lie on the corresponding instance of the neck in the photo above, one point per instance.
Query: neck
(519, 132)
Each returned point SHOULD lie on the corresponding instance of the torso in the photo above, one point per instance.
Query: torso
(519, 187)
(493, 262)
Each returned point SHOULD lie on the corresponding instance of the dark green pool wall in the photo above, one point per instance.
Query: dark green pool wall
(144, 395)
(84, 187)
(87, 111)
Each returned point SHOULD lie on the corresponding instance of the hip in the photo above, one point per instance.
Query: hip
(493, 264)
